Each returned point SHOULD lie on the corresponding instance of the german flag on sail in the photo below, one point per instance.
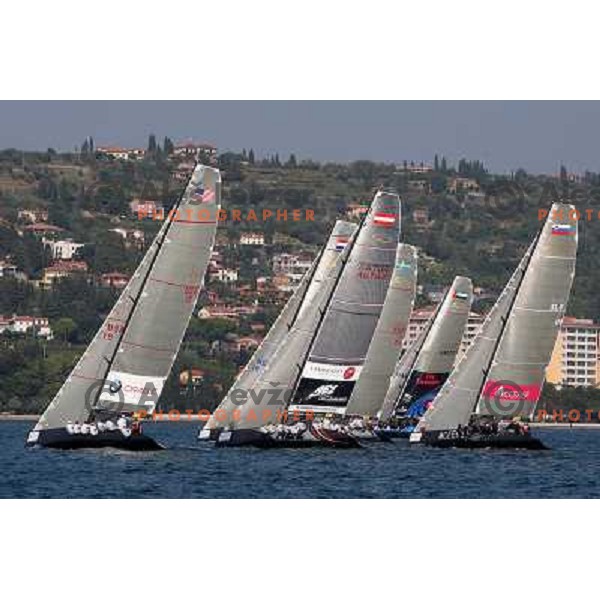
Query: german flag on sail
(382, 219)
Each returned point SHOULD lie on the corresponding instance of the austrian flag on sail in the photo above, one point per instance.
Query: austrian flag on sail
(382, 219)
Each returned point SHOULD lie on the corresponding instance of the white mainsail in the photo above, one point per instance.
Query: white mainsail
(386, 344)
(125, 366)
(304, 296)
(506, 366)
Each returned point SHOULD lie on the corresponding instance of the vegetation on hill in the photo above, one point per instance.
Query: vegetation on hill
(480, 231)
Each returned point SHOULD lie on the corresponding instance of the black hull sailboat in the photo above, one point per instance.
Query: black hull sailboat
(121, 374)
(61, 439)
(498, 441)
(500, 377)
(312, 437)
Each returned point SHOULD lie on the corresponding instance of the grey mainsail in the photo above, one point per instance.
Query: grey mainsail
(338, 351)
(456, 400)
(532, 289)
(304, 296)
(515, 378)
(432, 356)
(125, 366)
(265, 402)
(386, 344)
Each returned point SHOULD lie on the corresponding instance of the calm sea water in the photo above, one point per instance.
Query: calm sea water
(195, 470)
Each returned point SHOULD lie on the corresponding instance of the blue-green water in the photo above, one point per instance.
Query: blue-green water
(189, 469)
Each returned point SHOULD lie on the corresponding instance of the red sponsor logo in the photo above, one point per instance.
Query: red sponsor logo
(349, 373)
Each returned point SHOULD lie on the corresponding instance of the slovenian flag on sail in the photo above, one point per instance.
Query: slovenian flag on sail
(384, 219)
(563, 229)
(341, 243)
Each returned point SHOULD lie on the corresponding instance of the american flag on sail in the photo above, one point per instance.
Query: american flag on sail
(563, 229)
(382, 219)
(341, 243)
(202, 195)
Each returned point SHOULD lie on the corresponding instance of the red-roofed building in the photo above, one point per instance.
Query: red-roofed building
(22, 324)
(118, 153)
(43, 229)
(61, 269)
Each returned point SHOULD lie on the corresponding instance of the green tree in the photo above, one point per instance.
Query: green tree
(64, 327)
(152, 144)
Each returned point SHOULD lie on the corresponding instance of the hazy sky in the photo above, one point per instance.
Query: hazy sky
(537, 136)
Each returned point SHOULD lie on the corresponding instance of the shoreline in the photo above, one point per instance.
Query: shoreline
(9, 417)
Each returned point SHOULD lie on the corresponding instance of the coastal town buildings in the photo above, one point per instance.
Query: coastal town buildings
(63, 249)
(23, 324)
(575, 357)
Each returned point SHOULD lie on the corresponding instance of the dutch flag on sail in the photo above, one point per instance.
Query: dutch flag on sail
(563, 229)
(341, 243)
(384, 219)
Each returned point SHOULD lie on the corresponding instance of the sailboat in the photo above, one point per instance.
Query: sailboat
(501, 375)
(122, 372)
(306, 294)
(340, 321)
(260, 418)
(385, 348)
(426, 364)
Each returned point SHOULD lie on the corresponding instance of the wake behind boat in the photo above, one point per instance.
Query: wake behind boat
(122, 372)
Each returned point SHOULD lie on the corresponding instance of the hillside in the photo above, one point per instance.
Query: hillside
(464, 221)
